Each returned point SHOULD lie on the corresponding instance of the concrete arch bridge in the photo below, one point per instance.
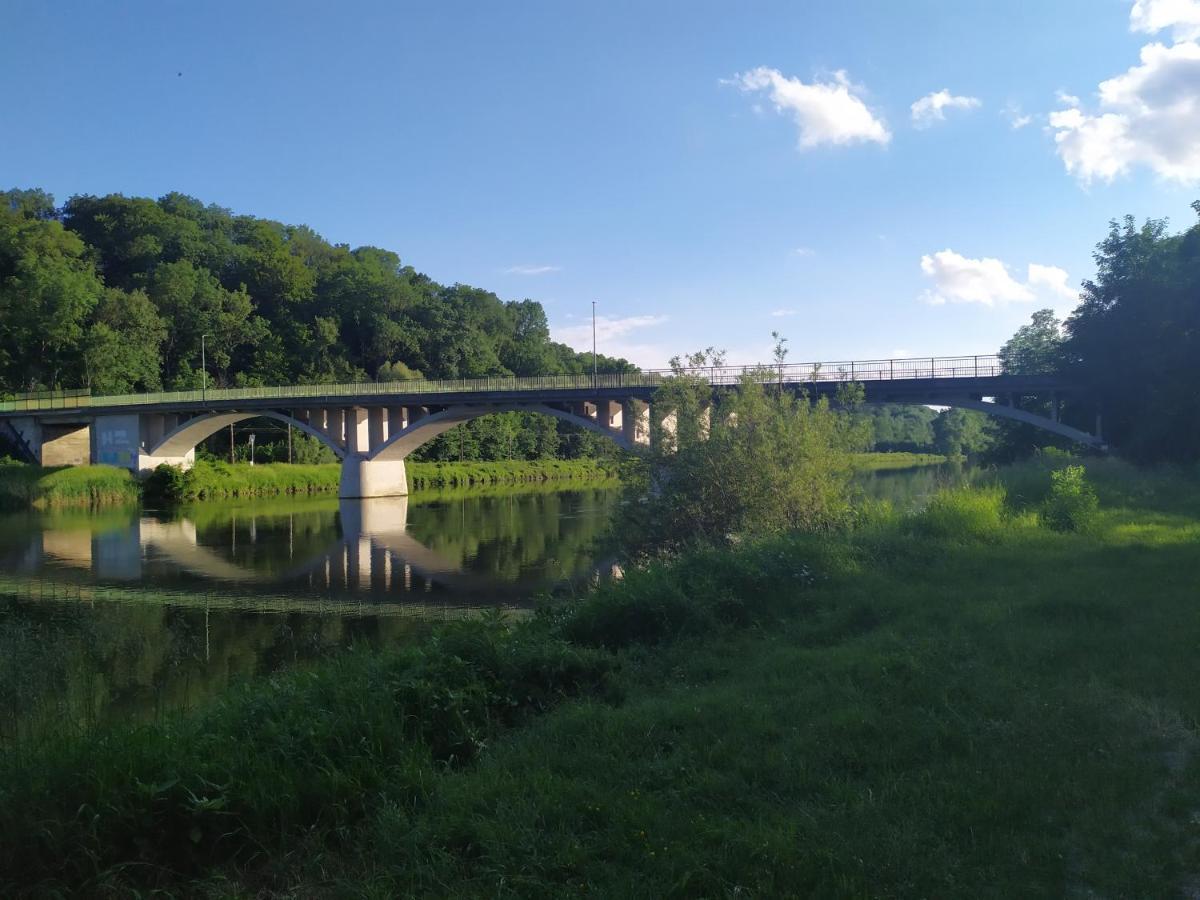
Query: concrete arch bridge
(372, 428)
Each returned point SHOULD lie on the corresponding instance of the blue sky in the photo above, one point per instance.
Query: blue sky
(707, 171)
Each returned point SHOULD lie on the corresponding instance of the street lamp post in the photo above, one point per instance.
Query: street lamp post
(203, 369)
(251, 449)
(595, 362)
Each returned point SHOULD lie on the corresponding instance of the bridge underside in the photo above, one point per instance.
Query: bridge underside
(373, 435)
(372, 442)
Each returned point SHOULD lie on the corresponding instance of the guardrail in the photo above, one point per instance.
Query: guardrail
(986, 366)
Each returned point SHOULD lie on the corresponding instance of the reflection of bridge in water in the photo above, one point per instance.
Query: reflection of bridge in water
(374, 553)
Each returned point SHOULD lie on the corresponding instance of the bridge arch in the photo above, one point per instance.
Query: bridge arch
(189, 434)
(1004, 411)
(423, 430)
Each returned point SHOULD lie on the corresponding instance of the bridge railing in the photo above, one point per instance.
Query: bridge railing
(986, 366)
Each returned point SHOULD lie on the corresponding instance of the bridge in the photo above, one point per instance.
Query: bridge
(373, 427)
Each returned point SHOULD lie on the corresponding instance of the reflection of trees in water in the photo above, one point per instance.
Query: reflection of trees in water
(267, 538)
(67, 666)
(907, 489)
(512, 537)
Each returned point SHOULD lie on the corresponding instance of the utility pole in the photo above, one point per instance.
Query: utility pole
(289, 442)
(203, 369)
(231, 443)
(595, 362)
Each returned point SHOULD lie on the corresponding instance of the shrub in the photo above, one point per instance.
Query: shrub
(1072, 504)
(963, 514)
(166, 484)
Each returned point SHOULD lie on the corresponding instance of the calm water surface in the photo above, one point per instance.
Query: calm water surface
(130, 614)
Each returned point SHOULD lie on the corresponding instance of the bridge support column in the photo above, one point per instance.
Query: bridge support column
(397, 420)
(376, 427)
(362, 477)
(335, 426)
(635, 422)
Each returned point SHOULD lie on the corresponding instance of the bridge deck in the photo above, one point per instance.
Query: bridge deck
(908, 380)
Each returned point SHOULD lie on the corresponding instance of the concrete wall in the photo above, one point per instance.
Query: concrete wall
(117, 441)
(66, 445)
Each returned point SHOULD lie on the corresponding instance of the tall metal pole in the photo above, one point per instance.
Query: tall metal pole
(203, 369)
(595, 363)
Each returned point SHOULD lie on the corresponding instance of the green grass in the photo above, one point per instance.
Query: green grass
(210, 480)
(431, 475)
(874, 462)
(960, 702)
(24, 486)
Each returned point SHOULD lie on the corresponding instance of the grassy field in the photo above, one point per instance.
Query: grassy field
(960, 702)
(24, 486)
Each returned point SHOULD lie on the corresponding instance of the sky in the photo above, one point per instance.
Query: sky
(868, 179)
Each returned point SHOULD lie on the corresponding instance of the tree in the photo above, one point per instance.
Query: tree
(963, 432)
(1135, 340)
(48, 289)
(121, 352)
(1036, 348)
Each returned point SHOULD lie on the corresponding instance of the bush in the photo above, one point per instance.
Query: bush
(166, 484)
(1072, 504)
(963, 514)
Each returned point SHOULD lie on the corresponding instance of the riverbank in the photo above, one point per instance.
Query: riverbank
(878, 462)
(962, 701)
(24, 486)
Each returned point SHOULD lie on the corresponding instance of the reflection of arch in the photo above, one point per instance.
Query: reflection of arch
(366, 525)
(1021, 415)
(185, 438)
(405, 441)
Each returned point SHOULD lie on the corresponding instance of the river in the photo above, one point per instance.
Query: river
(131, 614)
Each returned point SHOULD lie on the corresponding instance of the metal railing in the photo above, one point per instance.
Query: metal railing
(985, 366)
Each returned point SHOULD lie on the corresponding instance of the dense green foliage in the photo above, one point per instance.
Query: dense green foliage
(1132, 344)
(115, 292)
(1072, 504)
(433, 475)
(208, 480)
(968, 715)
(25, 486)
(757, 460)
(1135, 340)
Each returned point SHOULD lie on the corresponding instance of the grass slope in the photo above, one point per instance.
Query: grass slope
(957, 702)
(24, 486)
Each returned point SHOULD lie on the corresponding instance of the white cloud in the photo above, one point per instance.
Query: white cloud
(1066, 99)
(1150, 117)
(932, 107)
(830, 112)
(531, 270)
(1152, 16)
(804, 251)
(959, 279)
(617, 337)
(1016, 118)
(1052, 279)
(781, 313)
